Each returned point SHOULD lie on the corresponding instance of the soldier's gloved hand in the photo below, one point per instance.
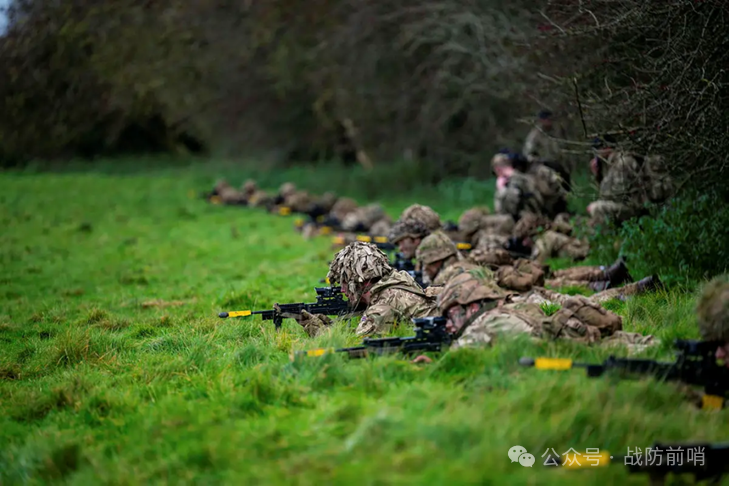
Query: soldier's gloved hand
(287, 315)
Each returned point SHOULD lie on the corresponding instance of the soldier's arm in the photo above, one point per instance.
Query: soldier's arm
(530, 146)
(377, 319)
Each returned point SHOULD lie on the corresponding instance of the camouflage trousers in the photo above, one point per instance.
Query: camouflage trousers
(576, 276)
(552, 244)
(539, 295)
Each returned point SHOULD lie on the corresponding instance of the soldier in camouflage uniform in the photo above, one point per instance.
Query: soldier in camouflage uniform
(424, 214)
(366, 277)
(340, 210)
(478, 312)
(484, 230)
(226, 194)
(712, 310)
(541, 144)
(407, 234)
(440, 259)
(621, 191)
(362, 219)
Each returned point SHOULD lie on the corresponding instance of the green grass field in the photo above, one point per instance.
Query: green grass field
(114, 367)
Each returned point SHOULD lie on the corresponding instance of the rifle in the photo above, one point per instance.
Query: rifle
(329, 301)
(713, 463)
(379, 241)
(695, 365)
(430, 335)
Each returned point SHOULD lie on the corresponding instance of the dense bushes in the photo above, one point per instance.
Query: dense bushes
(683, 241)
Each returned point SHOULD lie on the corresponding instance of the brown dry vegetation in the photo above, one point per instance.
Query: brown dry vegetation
(445, 81)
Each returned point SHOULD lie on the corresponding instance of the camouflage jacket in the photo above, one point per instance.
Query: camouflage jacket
(520, 195)
(540, 146)
(622, 182)
(512, 319)
(460, 266)
(395, 298)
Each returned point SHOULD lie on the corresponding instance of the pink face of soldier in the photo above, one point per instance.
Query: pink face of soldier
(457, 316)
(722, 353)
(366, 295)
(503, 172)
(407, 246)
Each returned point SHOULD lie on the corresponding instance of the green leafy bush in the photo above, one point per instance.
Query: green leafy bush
(684, 241)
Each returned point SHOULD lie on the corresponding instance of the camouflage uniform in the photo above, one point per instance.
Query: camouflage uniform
(381, 227)
(553, 244)
(227, 194)
(550, 186)
(362, 219)
(578, 320)
(248, 188)
(539, 145)
(394, 297)
(621, 193)
(712, 310)
(341, 209)
(655, 178)
(260, 199)
(519, 196)
(424, 214)
(522, 276)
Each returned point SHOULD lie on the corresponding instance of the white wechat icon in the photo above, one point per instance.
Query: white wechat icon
(520, 455)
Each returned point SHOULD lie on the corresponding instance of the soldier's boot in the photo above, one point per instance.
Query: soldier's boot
(648, 284)
(618, 273)
(599, 285)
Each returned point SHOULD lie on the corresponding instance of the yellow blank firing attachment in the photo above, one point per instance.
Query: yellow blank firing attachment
(547, 363)
(712, 402)
(366, 239)
(284, 211)
(325, 230)
(380, 239)
(313, 353)
(299, 222)
(553, 364)
(463, 246)
(244, 313)
(327, 281)
(215, 200)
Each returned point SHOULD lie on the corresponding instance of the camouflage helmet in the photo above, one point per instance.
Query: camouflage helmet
(343, 207)
(407, 228)
(381, 227)
(467, 288)
(365, 216)
(221, 185)
(712, 310)
(424, 214)
(472, 219)
(357, 263)
(249, 186)
(327, 201)
(287, 189)
(435, 247)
